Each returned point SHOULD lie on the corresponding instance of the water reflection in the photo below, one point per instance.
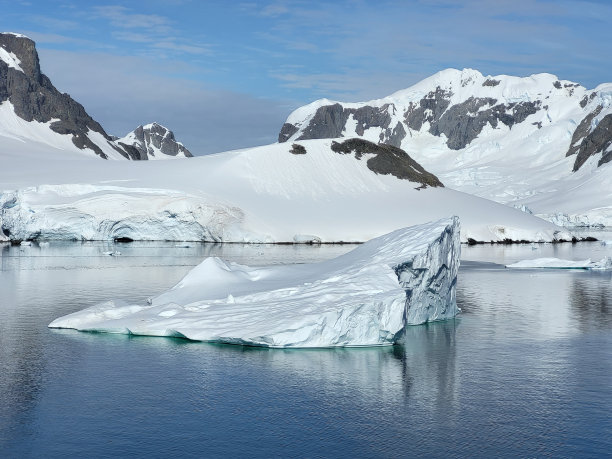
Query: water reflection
(591, 300)
(525, 368)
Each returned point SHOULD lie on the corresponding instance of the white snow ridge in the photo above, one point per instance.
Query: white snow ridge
(363, 298)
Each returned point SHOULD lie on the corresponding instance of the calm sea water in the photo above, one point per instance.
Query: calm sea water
(524, 371)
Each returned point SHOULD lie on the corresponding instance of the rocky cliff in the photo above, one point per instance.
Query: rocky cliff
(31, 97)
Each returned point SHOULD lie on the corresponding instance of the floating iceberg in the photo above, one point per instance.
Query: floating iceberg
(363, 298)
(558, 263)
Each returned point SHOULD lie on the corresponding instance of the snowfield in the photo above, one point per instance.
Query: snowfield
(363, 298)
(263, 194)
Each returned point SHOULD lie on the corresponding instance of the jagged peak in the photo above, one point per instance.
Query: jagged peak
(154, 125)
(155, 141)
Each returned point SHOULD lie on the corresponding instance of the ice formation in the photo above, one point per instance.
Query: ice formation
(363, 298)
(558, 263)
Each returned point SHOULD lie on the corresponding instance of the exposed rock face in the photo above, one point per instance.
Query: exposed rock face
(35, 99)
(459, 106)
(460, 123)
(388, 160)
(597, 141)
(286, 131)
(153, 141)
(329, 122)
(463, 122)
(429, 109)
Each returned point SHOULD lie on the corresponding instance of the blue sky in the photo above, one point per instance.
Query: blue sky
(225, 74)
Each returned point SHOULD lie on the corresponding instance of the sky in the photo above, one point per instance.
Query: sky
(226, 74)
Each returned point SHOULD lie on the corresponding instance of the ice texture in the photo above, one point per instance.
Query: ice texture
(363, 298)
(558, 263)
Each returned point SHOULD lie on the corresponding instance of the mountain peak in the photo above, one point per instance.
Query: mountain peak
(20, 50)
(154, 141)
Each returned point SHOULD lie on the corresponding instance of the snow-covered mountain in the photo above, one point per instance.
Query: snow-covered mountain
(154, 141)
(34, 115)
(538, 143)
(305, 191)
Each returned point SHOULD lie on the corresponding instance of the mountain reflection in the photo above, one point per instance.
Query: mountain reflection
(590, 300)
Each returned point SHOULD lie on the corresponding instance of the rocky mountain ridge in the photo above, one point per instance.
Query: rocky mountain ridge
(518, 141)
(458, 106)
(33, 98)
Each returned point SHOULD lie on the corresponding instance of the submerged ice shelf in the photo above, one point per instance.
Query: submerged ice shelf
(363, 298)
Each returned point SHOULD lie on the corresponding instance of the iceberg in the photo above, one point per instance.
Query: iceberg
(363, 298)
(558, 263)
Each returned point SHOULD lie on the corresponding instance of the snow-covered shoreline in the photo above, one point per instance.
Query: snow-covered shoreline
(264, 195)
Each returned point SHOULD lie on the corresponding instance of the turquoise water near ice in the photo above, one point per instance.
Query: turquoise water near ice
(525, 370)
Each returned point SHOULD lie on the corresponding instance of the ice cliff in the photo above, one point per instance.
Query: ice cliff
(363, 298)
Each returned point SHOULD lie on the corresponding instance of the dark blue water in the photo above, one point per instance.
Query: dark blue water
(525, 371)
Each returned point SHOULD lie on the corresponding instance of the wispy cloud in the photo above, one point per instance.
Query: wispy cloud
(123, 17)
(54, 23)
(155, 31)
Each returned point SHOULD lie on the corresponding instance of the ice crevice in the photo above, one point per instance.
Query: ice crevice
(363, 298)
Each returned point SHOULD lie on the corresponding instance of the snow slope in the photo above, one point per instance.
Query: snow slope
(18, 136)
(363, 298)
(263, 194)
(538, 142)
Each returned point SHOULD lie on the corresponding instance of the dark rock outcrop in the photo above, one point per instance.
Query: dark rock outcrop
(286, 131)
(491, 82)
(597, 141)
(463, 122)
(460, 123)
(329, 122)
(388, 160)
(581, 131)
(297, 149)
(36, 99)
(430, 109)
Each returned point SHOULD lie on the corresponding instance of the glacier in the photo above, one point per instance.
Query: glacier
(263, 194)
(363, 298)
